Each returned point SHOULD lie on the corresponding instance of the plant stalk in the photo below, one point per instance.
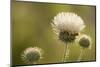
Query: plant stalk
(66, 52)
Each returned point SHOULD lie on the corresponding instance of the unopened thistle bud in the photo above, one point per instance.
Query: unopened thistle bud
(31, 55)
(85, 41)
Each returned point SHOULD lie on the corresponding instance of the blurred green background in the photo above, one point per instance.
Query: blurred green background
(31, 26)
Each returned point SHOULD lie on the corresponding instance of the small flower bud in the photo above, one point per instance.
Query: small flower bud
(84, 41)
(31, 55)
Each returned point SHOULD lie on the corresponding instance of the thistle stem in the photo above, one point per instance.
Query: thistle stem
(66, 52)
(80, 56)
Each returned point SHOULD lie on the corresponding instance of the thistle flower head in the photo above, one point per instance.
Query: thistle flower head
(31, 55)
(85, 41)
(67, 25)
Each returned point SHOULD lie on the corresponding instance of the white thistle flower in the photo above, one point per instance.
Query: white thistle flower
(85, 41)
(31, 55)
(67, 25)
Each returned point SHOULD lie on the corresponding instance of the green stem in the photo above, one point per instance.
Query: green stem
(80, 56)
(65, 52)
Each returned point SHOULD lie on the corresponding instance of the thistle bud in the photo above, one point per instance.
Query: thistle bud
(31, 55)
(85, 41)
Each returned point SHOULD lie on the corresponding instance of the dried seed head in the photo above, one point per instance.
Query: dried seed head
(31, 55)
(85, 41)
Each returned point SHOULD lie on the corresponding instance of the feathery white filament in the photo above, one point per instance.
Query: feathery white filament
(67, 21)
